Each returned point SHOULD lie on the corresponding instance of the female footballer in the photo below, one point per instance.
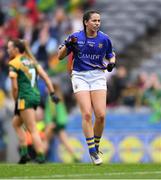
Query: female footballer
(92, 55)
(23, 71)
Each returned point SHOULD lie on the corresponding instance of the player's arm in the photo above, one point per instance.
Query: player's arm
(113, 59)
(42, 73)
(14, 84)
(48, 82)
(67, 47)
(110, 55)
(62, 52)
(40, 70)
(46, 78)
(112, 63)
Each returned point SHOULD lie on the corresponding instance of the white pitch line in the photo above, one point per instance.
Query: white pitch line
(88, 175)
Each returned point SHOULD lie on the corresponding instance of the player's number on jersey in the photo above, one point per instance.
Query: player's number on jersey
(33, 76)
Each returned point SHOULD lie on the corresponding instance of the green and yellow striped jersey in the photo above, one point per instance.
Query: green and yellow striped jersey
(26, 73)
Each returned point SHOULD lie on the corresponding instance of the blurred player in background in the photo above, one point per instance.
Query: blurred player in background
(56, 120)
(92, 55)
(23, 71)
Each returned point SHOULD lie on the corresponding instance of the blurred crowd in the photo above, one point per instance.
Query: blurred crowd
(141, 90)
(45, 24)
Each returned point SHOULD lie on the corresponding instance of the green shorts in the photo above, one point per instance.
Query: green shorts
(26, 103)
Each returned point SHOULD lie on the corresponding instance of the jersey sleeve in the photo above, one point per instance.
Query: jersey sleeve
(13, 68)
(109, 49)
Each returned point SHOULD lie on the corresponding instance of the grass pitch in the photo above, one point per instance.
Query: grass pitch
(80, 171)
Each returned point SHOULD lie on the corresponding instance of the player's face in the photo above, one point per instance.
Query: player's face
(11, 50)
(93, 24)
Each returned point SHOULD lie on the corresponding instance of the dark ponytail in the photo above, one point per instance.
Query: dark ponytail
(23, 48)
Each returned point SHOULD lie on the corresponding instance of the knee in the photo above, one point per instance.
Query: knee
(87, 117)
(32, 130)
(100, 118)
(31, 127)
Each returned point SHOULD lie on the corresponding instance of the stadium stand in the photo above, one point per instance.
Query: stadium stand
(125, 21)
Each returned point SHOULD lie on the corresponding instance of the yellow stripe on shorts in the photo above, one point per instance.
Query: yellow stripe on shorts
(21, 104)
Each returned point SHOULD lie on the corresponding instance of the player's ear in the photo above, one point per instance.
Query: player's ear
(85, 22)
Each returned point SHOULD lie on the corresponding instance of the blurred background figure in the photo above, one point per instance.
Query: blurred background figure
(60, 24)
(133, 119)
(152, 97)
(117, 83)
(45, 46)
(142, 82)
(56, 120)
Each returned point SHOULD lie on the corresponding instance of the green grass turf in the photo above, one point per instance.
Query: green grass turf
(81, 171)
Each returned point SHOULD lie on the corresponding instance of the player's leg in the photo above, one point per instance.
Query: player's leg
(29, 118)
(82, 95)
(99, 105)
(84, 101)
(41, 125)
(17, 124)
(81, 89)
(49, 130)
(64, 140)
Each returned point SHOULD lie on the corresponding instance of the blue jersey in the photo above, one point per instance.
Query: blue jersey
(90, 53)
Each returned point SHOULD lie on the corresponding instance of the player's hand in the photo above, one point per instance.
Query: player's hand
(54, 98)
(110, 66)
(71, 42)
